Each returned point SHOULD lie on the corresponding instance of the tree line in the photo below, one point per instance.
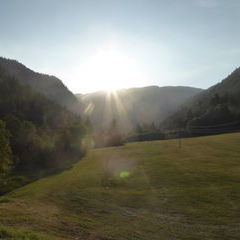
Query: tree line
(217, 113)
(36, 135)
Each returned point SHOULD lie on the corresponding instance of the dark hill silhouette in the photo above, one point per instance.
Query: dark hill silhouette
(50, 86)
(215, 110)
(37, 135)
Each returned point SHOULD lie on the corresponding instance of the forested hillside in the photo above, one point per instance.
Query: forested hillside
(215, 110)
(36, 135)
(50, 86)
(134, 106)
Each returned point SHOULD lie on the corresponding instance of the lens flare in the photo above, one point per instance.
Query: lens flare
(125, 174)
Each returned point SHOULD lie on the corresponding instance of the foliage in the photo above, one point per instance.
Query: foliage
(214, 111)
(47, 85)
(5, 150)
(114, 137)
(43, 135)
(145, 133)
(111, 137)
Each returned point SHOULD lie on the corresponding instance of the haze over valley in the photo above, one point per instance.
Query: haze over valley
(119, 120)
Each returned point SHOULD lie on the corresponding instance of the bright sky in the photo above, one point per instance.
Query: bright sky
(102, 44)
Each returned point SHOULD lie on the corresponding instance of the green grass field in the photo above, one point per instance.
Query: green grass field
(140, 191)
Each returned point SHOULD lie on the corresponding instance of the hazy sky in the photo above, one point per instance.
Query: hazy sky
(92, 45)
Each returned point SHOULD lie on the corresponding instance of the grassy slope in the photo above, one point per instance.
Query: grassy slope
(189, 193)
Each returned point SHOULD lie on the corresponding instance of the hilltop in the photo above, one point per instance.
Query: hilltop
(50, 86)
(215, 110)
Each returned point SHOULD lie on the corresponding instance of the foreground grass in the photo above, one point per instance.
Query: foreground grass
(11, 233)
(149, 190)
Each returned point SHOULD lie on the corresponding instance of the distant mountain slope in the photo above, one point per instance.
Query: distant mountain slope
(218, 105)
(50, 86)
(135, 105)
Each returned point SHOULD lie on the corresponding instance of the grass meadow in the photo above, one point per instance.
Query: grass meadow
(140, 191)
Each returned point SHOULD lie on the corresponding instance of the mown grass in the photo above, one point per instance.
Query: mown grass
(11, 233)
(148, 190)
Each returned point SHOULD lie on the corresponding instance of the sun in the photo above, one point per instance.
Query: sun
(109, 69)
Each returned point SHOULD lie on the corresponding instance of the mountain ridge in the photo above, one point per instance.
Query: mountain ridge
(137, 105)
(219, 104)
(138, 88)
(49, 85)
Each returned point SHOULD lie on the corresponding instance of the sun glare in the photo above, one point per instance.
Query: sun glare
(109, 69)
